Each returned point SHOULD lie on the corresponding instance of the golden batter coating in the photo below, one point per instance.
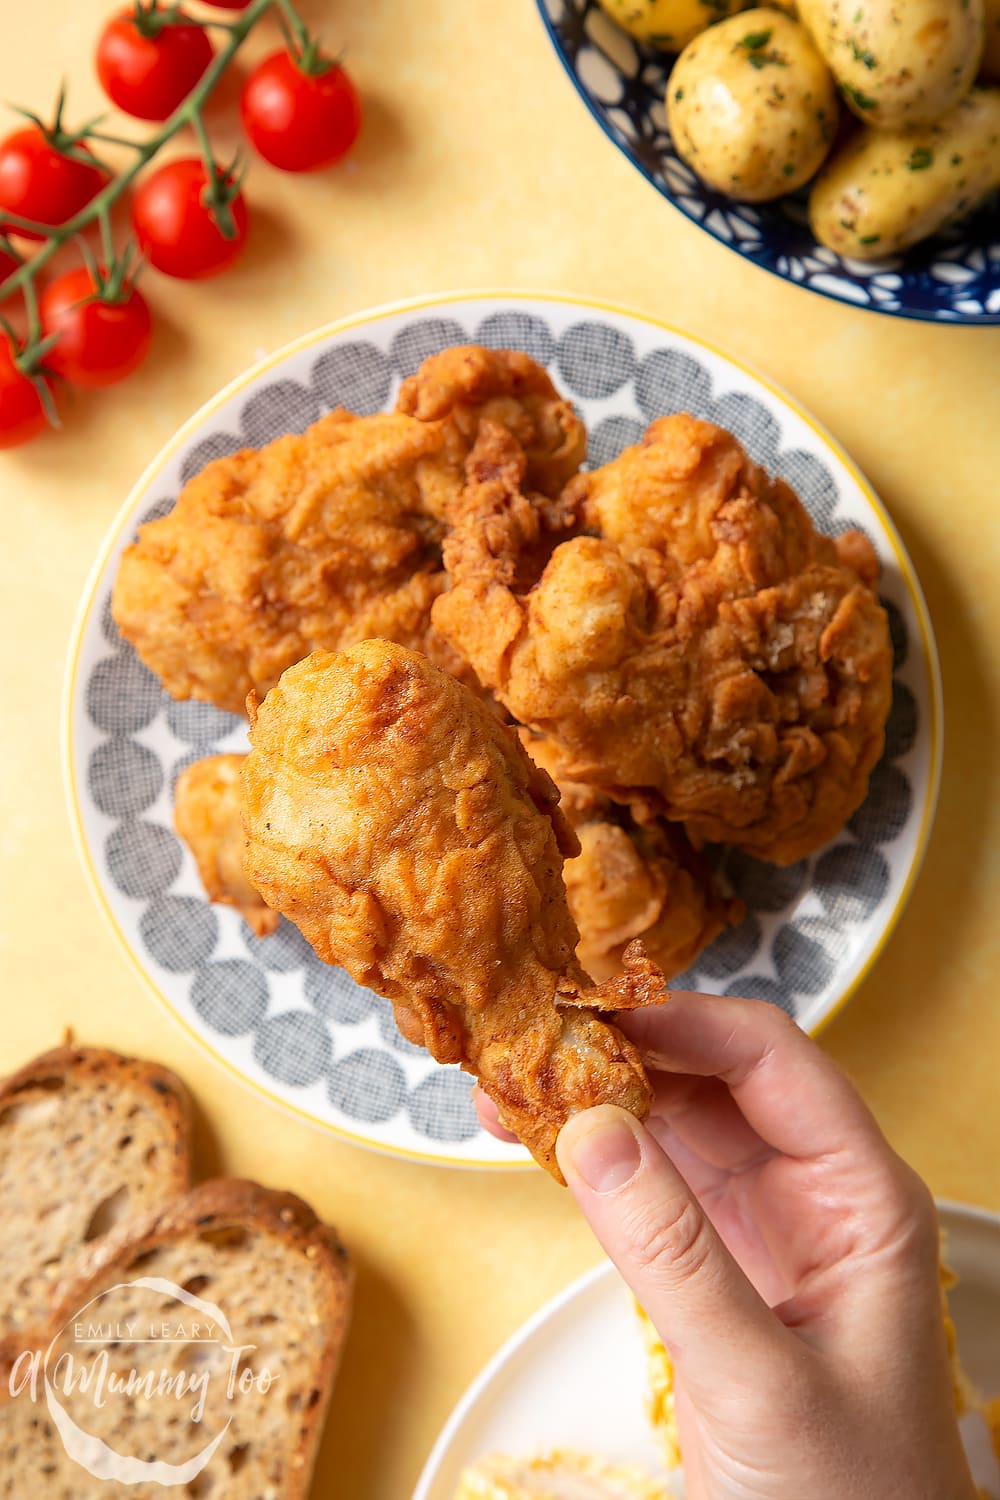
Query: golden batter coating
(701, 645)
(207, 818)
(316, 540)
(402, 827)
(329, 537)
(636, 876)
(468, 384)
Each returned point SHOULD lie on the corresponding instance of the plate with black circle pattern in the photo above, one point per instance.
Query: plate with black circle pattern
(304, 1034)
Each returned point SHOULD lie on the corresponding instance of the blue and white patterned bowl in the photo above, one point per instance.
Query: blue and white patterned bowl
(304, 1034)
(954, 278)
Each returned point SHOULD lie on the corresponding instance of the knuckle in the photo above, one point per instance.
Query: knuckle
(917, 1202)
(775, 1036)
(781, 1030)
(908, 1195)
(906, 1224)
(678, 1241)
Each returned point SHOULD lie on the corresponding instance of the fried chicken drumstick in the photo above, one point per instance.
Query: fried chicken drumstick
(404, 830)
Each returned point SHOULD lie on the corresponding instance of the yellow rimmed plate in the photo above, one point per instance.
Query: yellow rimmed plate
(302, 1034)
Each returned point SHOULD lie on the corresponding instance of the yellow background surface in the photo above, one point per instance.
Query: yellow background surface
(478, 166)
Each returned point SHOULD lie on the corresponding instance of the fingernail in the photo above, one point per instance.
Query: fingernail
(606, 1153)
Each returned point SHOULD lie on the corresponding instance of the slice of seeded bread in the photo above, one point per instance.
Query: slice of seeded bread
(87, 1140)
(279, 1278)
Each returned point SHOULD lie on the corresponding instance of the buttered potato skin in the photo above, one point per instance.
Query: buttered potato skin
(886, 190)
(752, 107)
(669, 24)
(899, 63)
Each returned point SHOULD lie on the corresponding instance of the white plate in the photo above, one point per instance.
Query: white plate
(304, 1035)
(574, 1376)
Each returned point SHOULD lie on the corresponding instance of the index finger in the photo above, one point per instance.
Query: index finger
(788, 1090)
(489, 1115)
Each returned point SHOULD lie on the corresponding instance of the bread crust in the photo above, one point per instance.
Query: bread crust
(164, 1089)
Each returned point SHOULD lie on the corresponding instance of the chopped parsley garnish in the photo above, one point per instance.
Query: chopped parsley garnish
(869, 239)
(921, 158)
(678, 95)
(862, 55)
(753, 44)
(787, 169)
(857, 98)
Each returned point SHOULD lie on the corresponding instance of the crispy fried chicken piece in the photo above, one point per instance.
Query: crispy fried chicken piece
(467, 384)
(636, 876)
(207, 818)
(702, 644)
(404, 830)
(313, 541)
(328, 537)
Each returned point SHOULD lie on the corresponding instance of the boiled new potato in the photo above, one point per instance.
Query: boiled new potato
(669, 24)
(887, 189)
(989, 68)
(898, 62)
(752, 107)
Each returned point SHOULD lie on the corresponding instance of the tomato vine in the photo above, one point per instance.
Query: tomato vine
(22, 272)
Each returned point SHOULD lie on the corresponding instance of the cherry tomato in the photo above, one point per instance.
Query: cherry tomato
(148, 73)
(22, 415)
(296, 119)
(174, 224)
(38, 182)
(99, 341)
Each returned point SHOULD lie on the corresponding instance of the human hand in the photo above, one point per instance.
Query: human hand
(786, 1255)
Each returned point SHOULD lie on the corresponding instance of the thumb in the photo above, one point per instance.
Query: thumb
(660, 1238)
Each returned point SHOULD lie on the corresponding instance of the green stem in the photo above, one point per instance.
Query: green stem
(154, 20)
(14, 222)
(207, 23)
(295, 21)
(212, 196)
(187, 113)
(107, 239)
(31, 308)
(115, 140)
(205, 146)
